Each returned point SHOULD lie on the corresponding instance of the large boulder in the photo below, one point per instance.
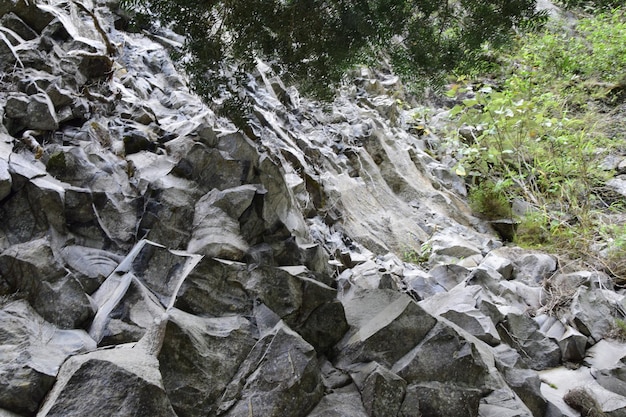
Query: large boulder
(307, 305)
(199, 357)
(381, 390)
(281, 376)
(385, 326)
(33, 269)
(114, 382)
(522, 333)
(32, 353)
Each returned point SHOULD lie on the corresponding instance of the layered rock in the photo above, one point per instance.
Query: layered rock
(157, 260)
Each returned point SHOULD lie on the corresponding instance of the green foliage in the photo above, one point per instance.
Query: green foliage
(490, 199)
(619, 330)
(313, 42)
(538, 136)
(418, 257)
(592, 4)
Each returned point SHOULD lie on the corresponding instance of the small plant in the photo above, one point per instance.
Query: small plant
(619, 330)
(418, 257)
(490, 199)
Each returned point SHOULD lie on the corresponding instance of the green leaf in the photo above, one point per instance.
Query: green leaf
(460, 170)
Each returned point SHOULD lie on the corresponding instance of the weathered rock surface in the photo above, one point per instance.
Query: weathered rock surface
(156, 260)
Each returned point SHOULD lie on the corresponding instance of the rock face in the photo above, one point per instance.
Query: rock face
(156, 260)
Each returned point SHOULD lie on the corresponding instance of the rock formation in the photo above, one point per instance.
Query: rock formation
(155, 260)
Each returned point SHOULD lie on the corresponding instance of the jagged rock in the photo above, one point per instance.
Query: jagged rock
(126, 381)
(449, 275)
(273, 248)
(503, 265)
(450, 365)
(437, 399)
(460, 307)
(161, 270)
(306, 305)
(366, 274)
(444, 355)
(16, 106)
(199, 358)
(449, 244)
(526, 383)
(216, 229)
(137, 141)
(212, 168)
(381, 390)
(341, 402)
(32, 353)
(511, 295)
(145, 282)
(213, 288)
(572, 343)
(522, 333)
(448, 178)
(11, 21)
(39, 113)
(117, 218)
(34, 17)
(421, 284)
(500, 403)
(280, 376)
(31, 268)
(386, 325)
(592, 312)
(534, 267)
(5, 179)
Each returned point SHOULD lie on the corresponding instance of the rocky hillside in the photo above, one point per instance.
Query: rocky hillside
(157, 261)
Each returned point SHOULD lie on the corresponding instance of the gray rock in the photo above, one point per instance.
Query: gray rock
(33, 351)
(436, 399)
(341, 402)
(534, 267)
(445, 355)
(32, 16)
(212, 168)
(573, 344)
(16, 106)
(213, 288)
(381, 390)
(503, 265)
(500, 403)
(280, 376)
(199, 357)
(63, 302)
(592, 312)
(450, 244)
(40, 113)
(117, 218)
(536, 351)
(31, 268)
(5, 179)
(169, 212)
(306, 305)
(127, 382)
(216, 229)
(390, 326)
(526, 383)
(459, 306)
(449, 275)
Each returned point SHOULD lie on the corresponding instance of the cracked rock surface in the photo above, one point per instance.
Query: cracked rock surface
(155, 260)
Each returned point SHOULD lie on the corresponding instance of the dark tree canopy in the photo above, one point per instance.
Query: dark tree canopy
(313, 42)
